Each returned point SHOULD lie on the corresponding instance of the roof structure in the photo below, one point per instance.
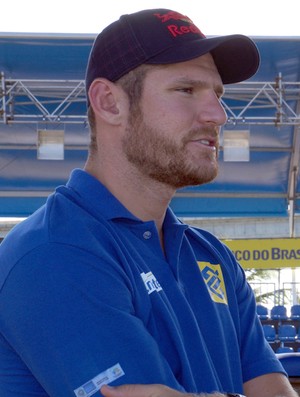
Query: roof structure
(42, 89)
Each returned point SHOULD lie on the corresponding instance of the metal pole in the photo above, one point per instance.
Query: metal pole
(3, 93)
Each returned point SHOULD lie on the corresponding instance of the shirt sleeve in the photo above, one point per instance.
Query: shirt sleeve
(66, 317)
(257, 356)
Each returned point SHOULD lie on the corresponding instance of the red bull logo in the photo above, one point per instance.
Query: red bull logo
(173, 15)
(177, 29)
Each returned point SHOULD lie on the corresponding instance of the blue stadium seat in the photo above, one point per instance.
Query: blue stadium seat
(287, 333)
(295, 312)
(262, 312)
(279, 313)
(269, 332)
(284, 349)
(291, 363)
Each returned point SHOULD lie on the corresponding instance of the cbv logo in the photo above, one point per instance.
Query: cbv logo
(214, 280)
(151, 283)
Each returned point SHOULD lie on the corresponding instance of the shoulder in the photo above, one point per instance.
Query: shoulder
(55, 226)
(211, 243)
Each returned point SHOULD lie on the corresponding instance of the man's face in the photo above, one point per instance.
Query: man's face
(174, 136)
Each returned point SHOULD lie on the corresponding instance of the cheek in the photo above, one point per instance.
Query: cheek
(162, 114)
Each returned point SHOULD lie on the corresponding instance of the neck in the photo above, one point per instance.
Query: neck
(143, 197)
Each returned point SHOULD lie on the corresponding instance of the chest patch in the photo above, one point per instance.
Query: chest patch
(213, 277)
(151, 283)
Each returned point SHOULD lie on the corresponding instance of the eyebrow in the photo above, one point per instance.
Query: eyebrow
(218, 88)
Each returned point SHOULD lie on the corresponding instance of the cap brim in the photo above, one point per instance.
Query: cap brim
(236, 56)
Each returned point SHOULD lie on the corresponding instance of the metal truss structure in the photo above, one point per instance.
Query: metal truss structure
(49, 101)
(63, 101)
(268, 103)
(277, 103)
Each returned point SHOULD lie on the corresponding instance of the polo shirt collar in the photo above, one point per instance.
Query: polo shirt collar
(92, 194)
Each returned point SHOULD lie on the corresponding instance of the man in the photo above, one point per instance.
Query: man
(104, 285)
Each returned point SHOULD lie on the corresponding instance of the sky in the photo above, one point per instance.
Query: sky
(213, 17)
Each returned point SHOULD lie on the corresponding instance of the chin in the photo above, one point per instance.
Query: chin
(192, 180)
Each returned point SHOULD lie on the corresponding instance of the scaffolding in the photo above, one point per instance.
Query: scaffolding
(274, 103)
(64, 101)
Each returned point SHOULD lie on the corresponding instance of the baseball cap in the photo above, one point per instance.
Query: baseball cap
(163, 36)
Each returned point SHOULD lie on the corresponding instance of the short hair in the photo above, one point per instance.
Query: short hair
(132, 83)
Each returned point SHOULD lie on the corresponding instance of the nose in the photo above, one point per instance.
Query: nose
(212, 111)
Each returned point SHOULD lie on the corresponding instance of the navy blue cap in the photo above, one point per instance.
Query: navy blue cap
(162, 36)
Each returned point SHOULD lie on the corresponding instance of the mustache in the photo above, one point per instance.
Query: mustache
(207, 132)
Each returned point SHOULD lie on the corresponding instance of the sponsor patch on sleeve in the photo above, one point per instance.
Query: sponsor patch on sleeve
(95, 384)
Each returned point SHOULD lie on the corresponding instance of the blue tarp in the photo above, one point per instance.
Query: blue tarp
(255, 188)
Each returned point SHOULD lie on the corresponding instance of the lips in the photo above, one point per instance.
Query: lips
(206, 142)
(209, 143)
(207, 138)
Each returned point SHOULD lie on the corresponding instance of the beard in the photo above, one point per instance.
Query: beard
(162, 159)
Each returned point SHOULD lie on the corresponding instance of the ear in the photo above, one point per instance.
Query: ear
(105, 100)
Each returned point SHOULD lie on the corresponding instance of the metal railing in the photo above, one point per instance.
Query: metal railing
(270, 294)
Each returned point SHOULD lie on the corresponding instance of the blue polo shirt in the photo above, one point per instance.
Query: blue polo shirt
(87, 297)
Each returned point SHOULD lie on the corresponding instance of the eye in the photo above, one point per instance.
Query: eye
(186, 90)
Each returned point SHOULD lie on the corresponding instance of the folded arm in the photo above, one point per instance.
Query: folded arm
(271, 385)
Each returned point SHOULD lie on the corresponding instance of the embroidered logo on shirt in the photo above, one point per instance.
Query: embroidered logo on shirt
(150, 282)
(214, 281)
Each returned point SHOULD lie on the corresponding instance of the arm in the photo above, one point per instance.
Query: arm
(61, 311)
(272, 385)
(149, 391)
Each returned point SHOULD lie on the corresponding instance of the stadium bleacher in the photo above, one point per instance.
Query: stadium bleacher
(281, 329)
(291, 363)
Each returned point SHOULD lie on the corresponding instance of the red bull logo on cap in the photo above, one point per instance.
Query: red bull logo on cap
(176, 29)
